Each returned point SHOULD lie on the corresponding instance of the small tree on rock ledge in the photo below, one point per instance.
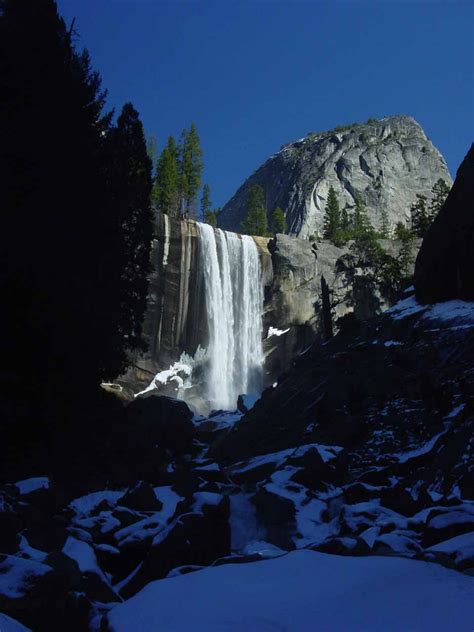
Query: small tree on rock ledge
(255, 222)
(278, 221)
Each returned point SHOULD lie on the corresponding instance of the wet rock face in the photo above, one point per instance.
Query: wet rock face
(384, 163)
(445, 263)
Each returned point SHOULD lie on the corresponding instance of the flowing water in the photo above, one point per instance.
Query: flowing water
(234, 303)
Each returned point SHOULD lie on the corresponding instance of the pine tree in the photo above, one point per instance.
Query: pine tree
(212, 217)
(151, 149)
(405, 255)
(52, 131)
(420, 217)
(361, 224)
(332, 218)
(439, 193)
(190, 169)
(278, 221)
(66, 245)
(130, 191)
(167, 182)
(384, 225)
(345, 227)
(205, 200)
(345, 220)
(255, 222)
(209, 216)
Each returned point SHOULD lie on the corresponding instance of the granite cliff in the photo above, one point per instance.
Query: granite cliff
(294, 273)
(385, 163)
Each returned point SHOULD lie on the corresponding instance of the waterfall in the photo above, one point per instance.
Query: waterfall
(231, 272)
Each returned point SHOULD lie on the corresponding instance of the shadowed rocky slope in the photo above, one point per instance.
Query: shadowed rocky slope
(445, 264)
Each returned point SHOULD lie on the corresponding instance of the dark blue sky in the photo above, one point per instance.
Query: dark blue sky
(254, 75)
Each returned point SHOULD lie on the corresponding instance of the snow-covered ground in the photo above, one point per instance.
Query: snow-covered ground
(305, 591)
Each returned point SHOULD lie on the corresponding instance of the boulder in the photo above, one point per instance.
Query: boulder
(277, 515)
(192, 539)
(400, 500)
(252, 473)
(313, 472)
(162, 421)
(33, 592)
(342, 546)
(10, 526)
(141, 497)
(46, 533)
(445, 524)
(359, 492)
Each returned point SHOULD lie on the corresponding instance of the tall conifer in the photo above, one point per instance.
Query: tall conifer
(190, 169)
(205, 200)
(332, 219)
(361, 224)
(64, 241)
(130, 192)
(439, 194)
(420, 216)
(167, 182)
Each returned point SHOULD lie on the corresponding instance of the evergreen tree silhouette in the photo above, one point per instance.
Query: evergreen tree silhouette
(129, 196)
(64, 281)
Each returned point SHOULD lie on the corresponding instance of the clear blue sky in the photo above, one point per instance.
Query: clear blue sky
(254, 75)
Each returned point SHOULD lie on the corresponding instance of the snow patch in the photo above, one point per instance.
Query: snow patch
(17, 575)
(170, 375)
(392, 343)
(406, 307)
(201, 499)
(273, 331)
(403, 457)
(326, 452)
(304, 591)
(32, 484)
(84, 555)
(85, 504)
(457, 310)
(7, 624)
(170, 500)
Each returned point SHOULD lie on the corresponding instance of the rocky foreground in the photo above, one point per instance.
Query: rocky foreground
(365, 447)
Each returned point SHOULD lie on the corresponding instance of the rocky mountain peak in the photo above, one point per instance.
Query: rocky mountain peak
(385, 163)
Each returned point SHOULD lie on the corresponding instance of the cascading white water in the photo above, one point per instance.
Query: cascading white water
(234, 302)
